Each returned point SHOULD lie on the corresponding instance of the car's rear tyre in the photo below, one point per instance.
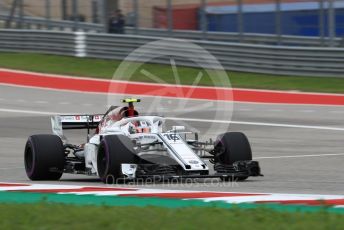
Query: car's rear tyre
(44, 157)
(232, 147)
(113, 151)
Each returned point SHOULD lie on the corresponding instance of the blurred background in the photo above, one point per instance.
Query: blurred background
(279, 37)
(319, 22)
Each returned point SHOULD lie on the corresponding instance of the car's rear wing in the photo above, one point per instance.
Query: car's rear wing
(79, 121)
(63, 122)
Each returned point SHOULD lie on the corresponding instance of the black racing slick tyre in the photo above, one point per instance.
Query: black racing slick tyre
(232, 147)
(44, 157)
(113, 151)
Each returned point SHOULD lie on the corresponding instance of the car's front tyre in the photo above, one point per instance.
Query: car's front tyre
(233, 147)
(113, 151)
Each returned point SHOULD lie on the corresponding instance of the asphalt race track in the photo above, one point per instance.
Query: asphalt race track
(300, 147)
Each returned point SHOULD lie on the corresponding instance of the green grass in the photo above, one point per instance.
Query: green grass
(99, 68)
(23, 210)
(62, 216)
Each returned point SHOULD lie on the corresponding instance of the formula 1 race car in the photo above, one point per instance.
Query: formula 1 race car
(128, 146)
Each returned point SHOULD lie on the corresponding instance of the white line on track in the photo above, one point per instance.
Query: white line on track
(275, 110)
(28, 111)
(245, 110)
(41, 102)
(307, 111)
(87, 104)
(198, 120)
(64, 103)
(174, 98)
(258, 124)
(339, 112)
(301, 156)
(12, 168)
